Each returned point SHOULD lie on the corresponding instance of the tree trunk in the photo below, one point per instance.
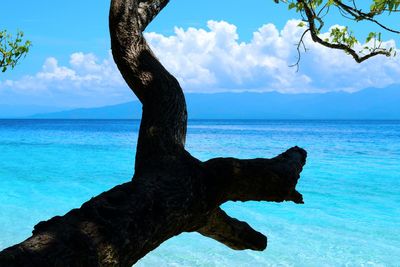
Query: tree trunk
(171, 191)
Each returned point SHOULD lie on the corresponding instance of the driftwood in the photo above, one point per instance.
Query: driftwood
(171, 192)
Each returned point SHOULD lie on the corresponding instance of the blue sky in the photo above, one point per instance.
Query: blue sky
(210, 46)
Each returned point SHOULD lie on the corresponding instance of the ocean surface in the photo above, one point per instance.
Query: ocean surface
(351, 186)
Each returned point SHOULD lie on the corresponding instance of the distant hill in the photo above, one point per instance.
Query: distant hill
(130, 110)
(366, 104)
(14, 111)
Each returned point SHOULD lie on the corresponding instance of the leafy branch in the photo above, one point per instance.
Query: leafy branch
(12, 49)
(313, 14)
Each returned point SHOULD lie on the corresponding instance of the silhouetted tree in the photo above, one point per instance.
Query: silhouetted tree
(173, 192)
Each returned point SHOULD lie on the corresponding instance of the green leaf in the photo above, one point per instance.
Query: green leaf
(301, 24)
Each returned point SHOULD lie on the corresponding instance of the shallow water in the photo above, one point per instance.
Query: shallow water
(351, 186)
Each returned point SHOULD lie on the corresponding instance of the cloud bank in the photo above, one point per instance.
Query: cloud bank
(85, 82)
(215, 60)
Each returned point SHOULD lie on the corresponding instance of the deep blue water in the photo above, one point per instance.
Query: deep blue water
(351, 186)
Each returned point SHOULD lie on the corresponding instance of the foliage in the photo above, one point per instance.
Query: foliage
(314, 12)
(12, 49)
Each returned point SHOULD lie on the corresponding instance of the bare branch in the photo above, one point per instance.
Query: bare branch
(233, 233)
(260, 179)
(298, 46)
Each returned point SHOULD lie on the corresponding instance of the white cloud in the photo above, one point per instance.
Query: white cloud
(214, 59)
(85, 82)
(85, 73)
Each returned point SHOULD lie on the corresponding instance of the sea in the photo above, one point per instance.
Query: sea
(351, 186)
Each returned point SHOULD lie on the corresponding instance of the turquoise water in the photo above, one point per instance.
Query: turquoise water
(351, 186)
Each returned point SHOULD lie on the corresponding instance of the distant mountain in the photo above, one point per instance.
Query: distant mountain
(366, 104)
(130, 110)
(20, 111)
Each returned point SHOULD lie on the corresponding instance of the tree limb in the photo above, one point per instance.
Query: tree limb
(358, 15)
(233, 233)
(314, 35)
(260, 179)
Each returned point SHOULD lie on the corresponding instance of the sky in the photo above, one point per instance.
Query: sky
(210, 46)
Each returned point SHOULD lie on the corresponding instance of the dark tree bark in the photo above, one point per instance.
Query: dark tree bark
(171, 192)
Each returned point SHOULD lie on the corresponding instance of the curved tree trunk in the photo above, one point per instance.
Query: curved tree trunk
(171, 191)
